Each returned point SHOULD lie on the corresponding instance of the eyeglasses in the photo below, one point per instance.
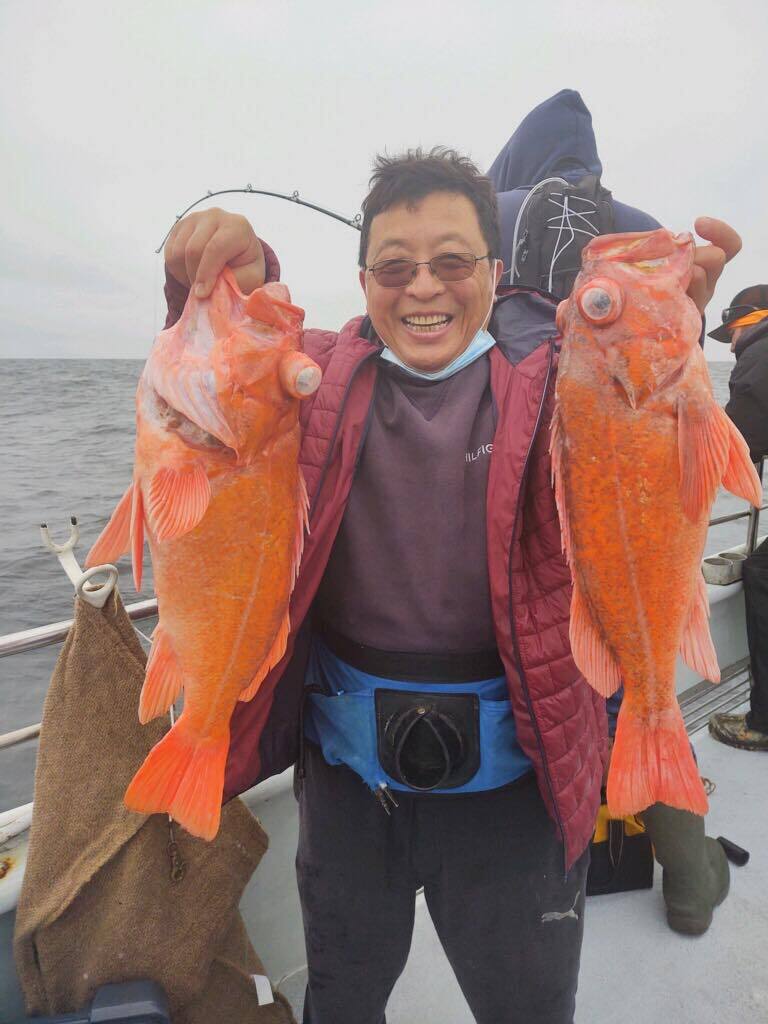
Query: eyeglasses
(448, 266)
(735, 312)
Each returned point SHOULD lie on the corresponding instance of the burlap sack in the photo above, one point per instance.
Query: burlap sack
(98, 903)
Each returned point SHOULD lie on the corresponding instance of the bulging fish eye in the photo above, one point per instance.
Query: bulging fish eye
(600, 301)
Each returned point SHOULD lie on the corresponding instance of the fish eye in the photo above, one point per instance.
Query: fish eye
(600, 301)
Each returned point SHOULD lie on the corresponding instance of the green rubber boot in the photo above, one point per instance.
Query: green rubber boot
(696, 876)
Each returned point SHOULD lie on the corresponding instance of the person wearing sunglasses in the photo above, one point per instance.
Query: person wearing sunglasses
(745, 329)
(442, 734)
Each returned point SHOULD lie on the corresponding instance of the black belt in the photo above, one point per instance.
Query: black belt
(407, 666)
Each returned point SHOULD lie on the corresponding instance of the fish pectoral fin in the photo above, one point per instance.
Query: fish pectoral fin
(696, 647)
(651, 762)
(115, 539)
(740, 476)
(163, 681)
(178, 500)
(590, 652)
(703, 442)
(275, 654)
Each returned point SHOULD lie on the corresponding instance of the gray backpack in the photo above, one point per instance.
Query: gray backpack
(554, 223)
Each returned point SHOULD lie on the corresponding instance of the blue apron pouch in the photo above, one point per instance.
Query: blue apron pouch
(342, 720)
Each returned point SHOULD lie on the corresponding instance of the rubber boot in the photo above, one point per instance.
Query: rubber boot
(696, 876)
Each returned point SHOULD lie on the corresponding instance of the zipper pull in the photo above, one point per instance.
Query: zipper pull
(382, 800)
(388, 794)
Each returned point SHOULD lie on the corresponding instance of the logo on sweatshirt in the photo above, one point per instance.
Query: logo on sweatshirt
(484, 449)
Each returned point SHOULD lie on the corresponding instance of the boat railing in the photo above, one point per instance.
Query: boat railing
(56, 632)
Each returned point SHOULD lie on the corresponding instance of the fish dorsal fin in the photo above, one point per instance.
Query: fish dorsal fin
(590, 652)
(276, 652)
(178, 500)
(115, 539)
(281, 640)
(696, 647)
(163, 681)
(137, 535)
(556, 449)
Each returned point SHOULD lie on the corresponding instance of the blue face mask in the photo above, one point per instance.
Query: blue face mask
(480, 344)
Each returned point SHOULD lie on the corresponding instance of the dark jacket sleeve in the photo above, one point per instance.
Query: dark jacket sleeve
(748, 404)
(176, 293)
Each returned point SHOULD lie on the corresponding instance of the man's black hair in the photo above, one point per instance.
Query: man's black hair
(412, 176)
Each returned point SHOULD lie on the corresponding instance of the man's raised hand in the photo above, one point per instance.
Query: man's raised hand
(710, 259)
(202, 244)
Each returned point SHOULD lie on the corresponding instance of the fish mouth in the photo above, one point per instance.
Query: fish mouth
(637, 392)
(189, 432)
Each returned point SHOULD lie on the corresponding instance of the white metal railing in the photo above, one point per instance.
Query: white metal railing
(56, 632)
(44, 636)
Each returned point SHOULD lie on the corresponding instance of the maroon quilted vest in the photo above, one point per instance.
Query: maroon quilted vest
(560, 720)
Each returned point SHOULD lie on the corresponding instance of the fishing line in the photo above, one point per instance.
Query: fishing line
(293, 197)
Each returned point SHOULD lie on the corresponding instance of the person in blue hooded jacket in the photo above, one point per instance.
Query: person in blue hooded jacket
(556, 140)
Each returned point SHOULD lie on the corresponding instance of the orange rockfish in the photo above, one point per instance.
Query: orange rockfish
(218, 492)
(639, 448)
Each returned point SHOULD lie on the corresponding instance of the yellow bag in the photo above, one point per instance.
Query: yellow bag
(621, 855)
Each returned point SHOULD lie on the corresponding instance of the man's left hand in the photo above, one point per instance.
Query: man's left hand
(710, 259)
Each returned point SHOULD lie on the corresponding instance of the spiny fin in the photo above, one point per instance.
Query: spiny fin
(178, 500)
(652, 762)
(273, 657)
(302, 526)
(163, 681)
(703, 442)
(590, 652)
(115, 539)
(281, 640)
(740, 475)
(696, 647)
(556, 453)
(184, 777)
(137, 535)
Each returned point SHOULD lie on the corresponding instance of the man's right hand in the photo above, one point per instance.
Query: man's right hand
(202, 244)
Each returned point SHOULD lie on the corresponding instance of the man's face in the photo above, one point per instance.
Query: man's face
(736, 333)
(429, 322)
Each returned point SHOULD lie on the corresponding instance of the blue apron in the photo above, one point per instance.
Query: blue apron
(342, 722)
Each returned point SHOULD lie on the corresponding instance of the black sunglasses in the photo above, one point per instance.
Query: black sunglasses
(448, 266)
(735, 312)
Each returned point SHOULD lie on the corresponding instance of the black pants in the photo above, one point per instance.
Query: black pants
(755, 577)
(492, 869)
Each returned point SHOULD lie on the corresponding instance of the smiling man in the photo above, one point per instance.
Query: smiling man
(448, 738)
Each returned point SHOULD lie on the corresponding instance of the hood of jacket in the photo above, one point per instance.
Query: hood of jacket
(750, 336)
(555, 139)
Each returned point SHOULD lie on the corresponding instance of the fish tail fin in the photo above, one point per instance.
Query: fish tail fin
(115, 539)
(652, 762)
(183, 776)
(740, 477)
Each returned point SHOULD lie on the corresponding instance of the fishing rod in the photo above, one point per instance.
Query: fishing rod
(294, 197)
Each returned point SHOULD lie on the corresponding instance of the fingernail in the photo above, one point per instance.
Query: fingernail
(200, 290)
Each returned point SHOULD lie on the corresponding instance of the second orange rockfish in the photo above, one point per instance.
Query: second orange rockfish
(218, 492)
(639, 448)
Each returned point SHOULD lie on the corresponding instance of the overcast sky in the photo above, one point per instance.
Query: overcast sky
(116, 117)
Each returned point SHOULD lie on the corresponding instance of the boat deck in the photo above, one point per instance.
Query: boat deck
(718, 978)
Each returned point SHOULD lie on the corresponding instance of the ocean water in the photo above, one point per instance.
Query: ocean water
(66, 448)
